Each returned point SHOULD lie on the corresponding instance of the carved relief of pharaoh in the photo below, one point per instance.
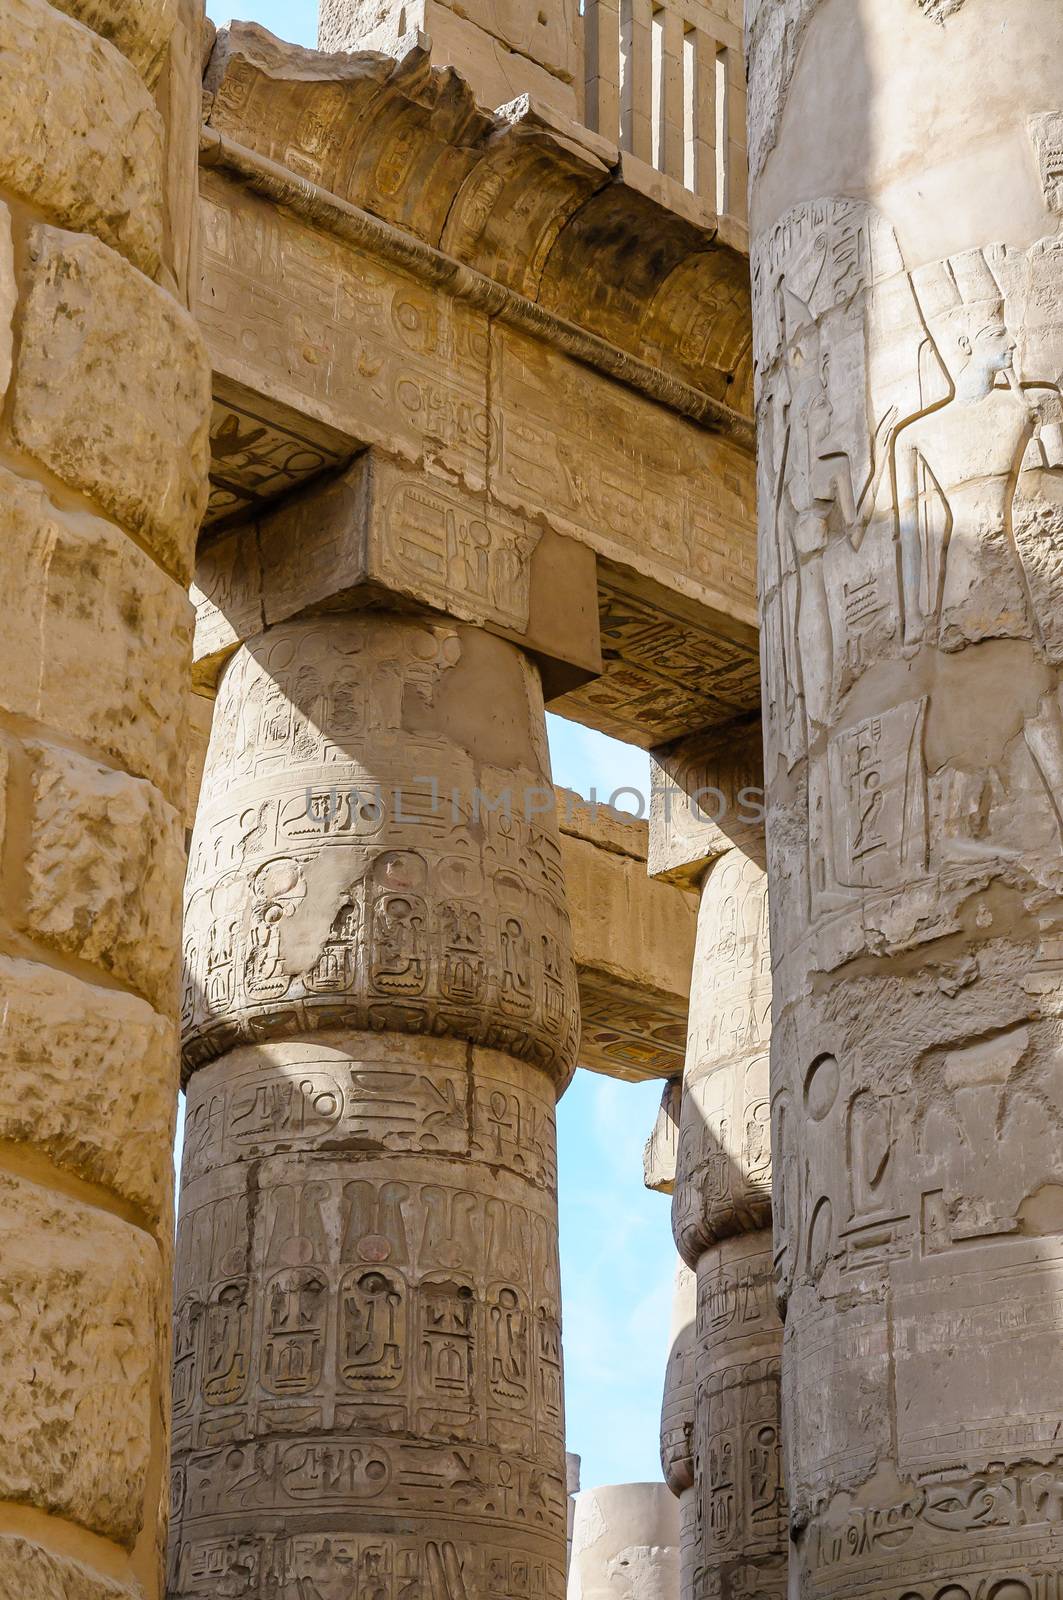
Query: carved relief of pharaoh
(958, 464)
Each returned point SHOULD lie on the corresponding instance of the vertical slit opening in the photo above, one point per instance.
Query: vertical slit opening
(657, 95)
(722, 122)
(627, 72)
(690, 108)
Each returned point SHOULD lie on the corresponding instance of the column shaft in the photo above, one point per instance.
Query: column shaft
(910, 355)
(735, 1541)
(721, 1216)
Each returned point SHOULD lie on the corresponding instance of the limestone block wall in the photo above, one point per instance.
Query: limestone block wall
(103, 456)
(503, 48)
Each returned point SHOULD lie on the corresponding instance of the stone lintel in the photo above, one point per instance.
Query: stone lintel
(671, 664)
(534, 321)
(383, 534)
(634, 946)
(706, 798)
(525, 196)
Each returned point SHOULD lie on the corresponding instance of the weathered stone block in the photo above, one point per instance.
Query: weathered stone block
(383, 529)
(81, 136)
(28, 1572)
(8, 297)
(706, 798)
(662, 1147)
(501, 57)
(140, 29)
(79, 1320)
(87, 593)
(200, 716)
(94, 326)
(89, 1075)
(104, 866)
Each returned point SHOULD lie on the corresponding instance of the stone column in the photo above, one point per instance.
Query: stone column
(705, 823)
(104, 398)
(909, 272)
(380, 1008)
(677, 1422)
(625, 1544)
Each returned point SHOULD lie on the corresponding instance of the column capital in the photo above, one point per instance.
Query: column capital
(376, 847)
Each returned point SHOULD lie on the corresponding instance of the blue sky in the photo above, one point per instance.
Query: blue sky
(294, 20)
(617, 1259)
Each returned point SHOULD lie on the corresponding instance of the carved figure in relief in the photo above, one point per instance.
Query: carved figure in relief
(276, 889)
(400, 965)
(517, 991)
(957, 466)
(446, 1580)
(815, 494)
(226, 1340)
(293, 1338)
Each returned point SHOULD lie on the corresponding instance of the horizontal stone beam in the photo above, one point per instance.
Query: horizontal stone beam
(634, 945)
(319, 352)
(706, 798)
(527, 201)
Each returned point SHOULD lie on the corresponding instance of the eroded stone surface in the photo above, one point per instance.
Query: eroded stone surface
(83, 138)
(93, 324)
(89, 1077)
(367, 1278)
(79, 1306)
(88, 595)
(8, 297)
(355, 860)
(140, 29)
(30, 1572)
(103, 870)
(625, 1544)
(662, 1147)
(911, 467)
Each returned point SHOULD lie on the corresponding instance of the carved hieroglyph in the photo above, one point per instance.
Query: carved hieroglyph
(380, 1001)
(911, 490)
(734, 1521)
